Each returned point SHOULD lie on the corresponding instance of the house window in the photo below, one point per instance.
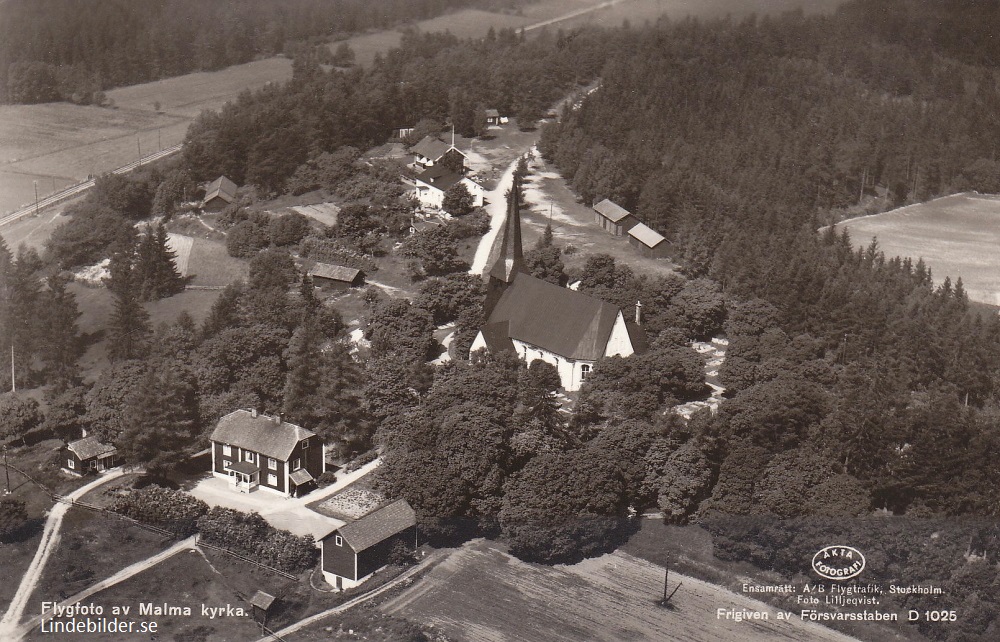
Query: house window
(272, 463)
(272, 480)
(226, 464)
(338, 540)
(584, 371)
(305, 444)
(227, 450)
(70, 464)
(249, 456)
(296, 464)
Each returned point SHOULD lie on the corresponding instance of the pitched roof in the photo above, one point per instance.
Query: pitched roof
(90, 447)
(262, 600)
(378, 525)
(439, 177)
(244, 467)
(221, 187)
(300, 476)
(268, 436)
(492, 113)
(636, 334)
(645, 235)
(497, 337)
(431, 147)
(335, 272)
(611, 211)
(559, 320)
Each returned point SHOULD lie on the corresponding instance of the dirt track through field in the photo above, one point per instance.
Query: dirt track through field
(481, 593)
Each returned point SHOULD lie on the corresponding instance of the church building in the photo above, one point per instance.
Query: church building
(536, 319)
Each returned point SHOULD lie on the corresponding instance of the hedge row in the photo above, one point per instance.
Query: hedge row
(250, 535)
(173, 510)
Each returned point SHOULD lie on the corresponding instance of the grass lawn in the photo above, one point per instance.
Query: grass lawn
(210, 264)
(34, 231)
(92, 546)
(957, 236)
(184, 580)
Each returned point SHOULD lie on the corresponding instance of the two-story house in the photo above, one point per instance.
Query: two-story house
(257, 451)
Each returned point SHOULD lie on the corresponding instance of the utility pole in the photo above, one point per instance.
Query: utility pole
(13, 386)
(138, 146)
(36, 198)
(666, 598)
(159, 141)
(6, 470)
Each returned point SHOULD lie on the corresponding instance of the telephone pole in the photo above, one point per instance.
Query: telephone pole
(36, 197)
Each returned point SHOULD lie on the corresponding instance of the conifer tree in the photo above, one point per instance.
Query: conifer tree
(130, 329)
(59, 348)
(160, 419)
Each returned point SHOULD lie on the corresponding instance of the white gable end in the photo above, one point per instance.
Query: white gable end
(619, 342)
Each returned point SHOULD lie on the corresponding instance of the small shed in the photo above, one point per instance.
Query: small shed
(88, 455)
(261, 603)
(649, 242)
(218, 194)
(492, 117)
(613, 218)
(336, 277)
(355, 551)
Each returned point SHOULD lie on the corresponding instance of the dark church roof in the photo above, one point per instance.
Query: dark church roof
(559, 320)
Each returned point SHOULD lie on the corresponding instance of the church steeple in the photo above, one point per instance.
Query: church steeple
(506, 258)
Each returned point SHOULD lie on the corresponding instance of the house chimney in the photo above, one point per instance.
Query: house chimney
(253, 412)
(638, 312)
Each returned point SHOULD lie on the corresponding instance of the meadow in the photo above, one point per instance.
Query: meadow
(957, 236)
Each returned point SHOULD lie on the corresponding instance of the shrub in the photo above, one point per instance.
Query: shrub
(250, 535)
(173, 510)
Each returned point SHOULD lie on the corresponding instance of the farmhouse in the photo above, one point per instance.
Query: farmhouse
(536, 319)
(431, 150)
(355, 551)
(649, 242)
(492, 117)
(257, 451)
(336, 277)
(613, 218)
(218, 194)
(430, 185)
(88, 455)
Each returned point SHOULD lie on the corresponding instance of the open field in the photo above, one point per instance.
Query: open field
(957, 236)
(184, 580)
(482, 593)
(188, 95)
(638, 12)
(210, 264)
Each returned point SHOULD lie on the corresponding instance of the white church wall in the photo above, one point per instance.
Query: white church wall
(619, 342)
(570, 371)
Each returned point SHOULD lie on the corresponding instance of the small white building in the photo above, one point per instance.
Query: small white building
(430, 150)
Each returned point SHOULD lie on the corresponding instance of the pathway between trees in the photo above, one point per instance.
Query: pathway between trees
(50, 539)
(122, 575)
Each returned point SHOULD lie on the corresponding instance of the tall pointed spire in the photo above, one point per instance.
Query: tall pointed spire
(506, 258)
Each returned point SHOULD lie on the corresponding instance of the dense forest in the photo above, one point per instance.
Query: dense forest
(69, 50)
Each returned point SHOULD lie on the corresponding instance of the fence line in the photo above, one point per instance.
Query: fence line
(270, 633)
(199, 542)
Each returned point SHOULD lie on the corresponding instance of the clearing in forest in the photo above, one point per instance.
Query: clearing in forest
(957, 236)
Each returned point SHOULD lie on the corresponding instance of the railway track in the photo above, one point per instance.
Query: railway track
(79, 188)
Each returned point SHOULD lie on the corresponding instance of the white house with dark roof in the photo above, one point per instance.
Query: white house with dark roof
(430, 185)
(254, 451)
(614, 218)
(353, 552)
(536, 319)
(431, 149)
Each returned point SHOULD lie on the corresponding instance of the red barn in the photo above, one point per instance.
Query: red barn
(355, 551)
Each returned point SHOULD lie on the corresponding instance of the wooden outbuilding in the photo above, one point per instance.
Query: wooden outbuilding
(218, 194)
(355, 551)
(89, 455)
(336, 277)
(649, 242)
(614, 218)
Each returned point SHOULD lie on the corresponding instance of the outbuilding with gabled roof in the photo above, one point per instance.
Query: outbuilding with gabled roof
(613, 218)
(648, 241)
(88, 455)
(218, 194)
(355, 551)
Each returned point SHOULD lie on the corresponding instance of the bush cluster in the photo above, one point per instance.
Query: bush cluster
(250, 535)
(173, 510)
